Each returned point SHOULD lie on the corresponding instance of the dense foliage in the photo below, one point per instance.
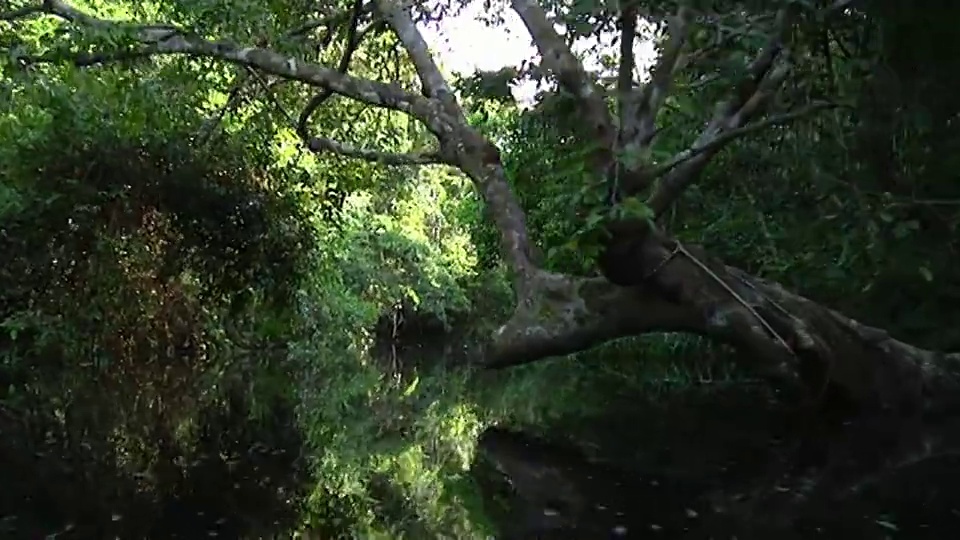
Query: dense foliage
(204, 326)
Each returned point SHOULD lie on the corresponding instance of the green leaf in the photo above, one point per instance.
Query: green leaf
(412, 387)
(926, 273)
(593, 220)
(634, 208)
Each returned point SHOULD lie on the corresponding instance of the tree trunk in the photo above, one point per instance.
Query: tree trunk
(790, 338)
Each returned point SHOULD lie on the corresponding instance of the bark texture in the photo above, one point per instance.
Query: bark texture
(794, 340)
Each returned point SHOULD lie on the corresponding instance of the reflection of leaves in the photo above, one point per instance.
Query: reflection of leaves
(903, 229)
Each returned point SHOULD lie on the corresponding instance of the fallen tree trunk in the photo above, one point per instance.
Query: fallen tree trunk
(653, 283)
(785, 335)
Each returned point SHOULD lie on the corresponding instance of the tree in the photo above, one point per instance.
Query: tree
(650, 281)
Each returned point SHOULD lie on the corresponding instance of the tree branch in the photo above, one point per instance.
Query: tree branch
(21, 13)
(764, 76)
(352, 42)
(158, 40)
(235, 95)
(434, 84)
(325, 144)
(726, 137)
(573, 78)
(460, 144)
(464, 146)
(640, 126)
(628, 33)
(865, 364)
(572, 314)
(234, 98)
(331, 20)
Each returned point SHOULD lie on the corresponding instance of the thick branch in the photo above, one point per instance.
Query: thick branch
(569, 314)
(465, 147)
(479, 159)
(325, 144)
(168, 40)
(21, 13)
(573, 78)
(354, 37)
(434, 85)
(865, 364)
(460, 144)
(628, 34)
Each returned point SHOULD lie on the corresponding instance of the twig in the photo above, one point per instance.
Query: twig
(727, 136)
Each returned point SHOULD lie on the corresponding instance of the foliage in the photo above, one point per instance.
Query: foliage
(146, 299)
(167, 304)
(191, 300)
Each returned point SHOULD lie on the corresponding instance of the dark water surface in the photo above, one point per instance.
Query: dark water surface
(723, 467)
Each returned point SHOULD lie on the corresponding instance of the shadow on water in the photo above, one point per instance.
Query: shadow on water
(723, 466)
(238, 480)
(556, 493)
